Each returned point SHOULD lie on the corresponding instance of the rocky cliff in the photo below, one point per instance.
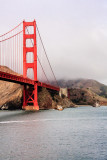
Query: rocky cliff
(47, 100)
(10, 93)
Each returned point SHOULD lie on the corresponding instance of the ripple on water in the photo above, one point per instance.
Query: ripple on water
(73, 134)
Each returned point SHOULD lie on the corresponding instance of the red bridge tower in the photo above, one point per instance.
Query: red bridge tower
(30, 92)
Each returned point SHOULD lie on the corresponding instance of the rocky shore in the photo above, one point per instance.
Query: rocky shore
(47, 100)
(11, 98)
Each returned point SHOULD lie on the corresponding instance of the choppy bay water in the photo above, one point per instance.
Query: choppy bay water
(71, 134)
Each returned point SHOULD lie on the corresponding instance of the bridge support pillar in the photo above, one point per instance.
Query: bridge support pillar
(30, 97)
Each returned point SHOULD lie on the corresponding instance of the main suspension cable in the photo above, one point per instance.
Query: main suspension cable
(11, 30)
(46, 55)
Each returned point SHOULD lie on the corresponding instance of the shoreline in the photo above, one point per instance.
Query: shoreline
(50, 108)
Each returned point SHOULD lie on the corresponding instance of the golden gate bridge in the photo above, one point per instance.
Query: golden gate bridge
(22, 50)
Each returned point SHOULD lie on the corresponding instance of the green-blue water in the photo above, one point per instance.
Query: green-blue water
(71, 134)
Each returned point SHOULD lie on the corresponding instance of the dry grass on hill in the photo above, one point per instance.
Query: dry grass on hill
(86, 97)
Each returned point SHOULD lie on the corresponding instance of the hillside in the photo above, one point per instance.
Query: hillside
(86, 97)
(90, 84)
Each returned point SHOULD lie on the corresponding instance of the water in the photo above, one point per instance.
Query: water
(71, 134)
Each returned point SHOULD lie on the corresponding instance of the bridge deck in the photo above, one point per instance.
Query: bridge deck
(21, 80)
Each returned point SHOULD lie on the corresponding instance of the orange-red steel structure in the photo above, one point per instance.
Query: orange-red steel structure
(30, 93)
(30, 86)
(24, 81)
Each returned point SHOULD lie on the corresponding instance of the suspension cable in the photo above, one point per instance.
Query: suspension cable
(46, 55)
(11, 36)
(38, 59)
(11, 30)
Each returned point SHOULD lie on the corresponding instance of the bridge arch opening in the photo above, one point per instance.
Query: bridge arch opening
(29, 42)
(30, 73)
(29, 57)
(29, 30)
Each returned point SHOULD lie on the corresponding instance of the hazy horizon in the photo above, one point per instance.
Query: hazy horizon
(74, 33)
(74, 79)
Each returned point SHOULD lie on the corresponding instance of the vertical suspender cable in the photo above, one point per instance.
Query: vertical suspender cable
(17, 54)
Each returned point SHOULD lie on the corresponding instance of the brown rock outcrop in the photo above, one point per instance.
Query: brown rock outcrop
(48, 101)
(44, 99)
(10, 93)
(64, 101)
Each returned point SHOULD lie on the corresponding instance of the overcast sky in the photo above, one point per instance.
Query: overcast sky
(74, 33)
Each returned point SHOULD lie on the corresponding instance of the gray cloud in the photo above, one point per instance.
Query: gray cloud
(74, 33)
